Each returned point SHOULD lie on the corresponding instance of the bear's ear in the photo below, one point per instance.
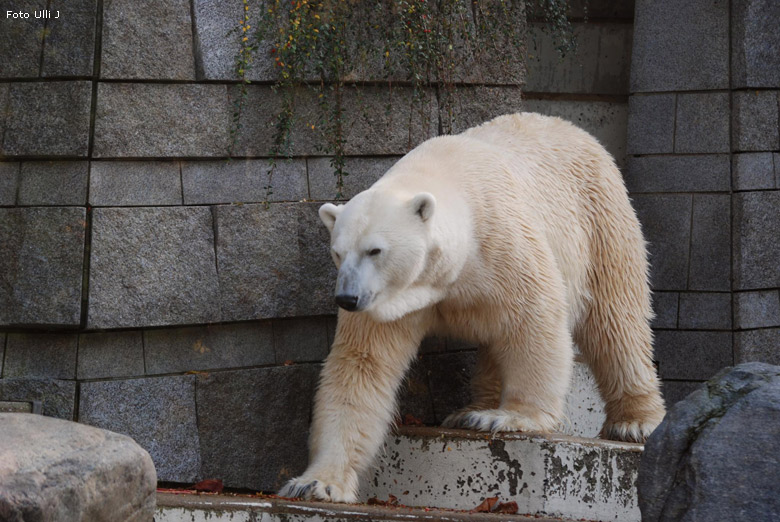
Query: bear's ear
(423, 204)
(328, 214)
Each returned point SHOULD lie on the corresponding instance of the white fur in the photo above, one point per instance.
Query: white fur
(516, 235)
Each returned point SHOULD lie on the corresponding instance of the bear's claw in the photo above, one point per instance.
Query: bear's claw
(492, 421)
(315, 489)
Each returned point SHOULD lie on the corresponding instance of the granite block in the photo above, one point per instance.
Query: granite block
(53, 183)
(756, 248)
(754, 121)
(414, 396)
(675, 391)
(704, 173)
(273, 262)
(253, 424)
(41, 269)
(47, 119)
(128, 183)
(754, 43)
(301, 339)
(146, 39)
(758, 345)
(244, 181)
(710, 243)
(361, 172)
(41, 355)
(705, 311)
(449, 375)
(2, 352)
(666, 222)
(473, 105)
(680, 46)
(9, 182)
(110, 355)
(158, 120)
(753, 171)
(58, 398)
(152, 267)
(651, 123)
(69, 49)
(665, 306)
(21, 39)
(175, 350)
(702, 123)
(158, 413)
(757, 309)
(689, 355)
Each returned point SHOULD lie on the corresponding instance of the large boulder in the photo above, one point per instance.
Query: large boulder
(53, 470)
(716, 455)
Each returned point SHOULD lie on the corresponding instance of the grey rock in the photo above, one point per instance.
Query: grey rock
(21, 40)
(110, 354)
(273, 262)
(64, 471)
(600, 65)
(753, 171)
(144, 39)
(776, 161)
(710, 243)
(41, 269)
(754, 43)
(692, 355)
(757, 345)
(217, 43)
(2, 352)
(57, 398)
(47, 119)
(449, 375)
(705, 311)
(41, 355)
(607, 121)
(665, 306)
(757, 309)
(754, 121)
(69, 49)
(361, 174)
(666, 222)
(478, 104)
(692, 469)
(705, 173)
(158, 413)
(243, 181)
(156, 120)
(651, 123)
(174, 350)
(9, 182)
(702, 123)
(127, 183)
(253, 424)
(301, 339)
(679, 47)
(5, 88)
(53, 183)
(675, 391)
(152, 266)
(756, 249)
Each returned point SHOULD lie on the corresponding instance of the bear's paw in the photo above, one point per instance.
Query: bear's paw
(628, 431)
(493, 421)
(310, 487)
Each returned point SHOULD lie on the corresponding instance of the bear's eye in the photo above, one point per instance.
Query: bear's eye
(374, 251)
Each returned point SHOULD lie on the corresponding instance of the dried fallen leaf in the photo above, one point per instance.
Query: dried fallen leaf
(487, 505)
(392, 500)
(411, 420)
(209, 485)
(508, 508)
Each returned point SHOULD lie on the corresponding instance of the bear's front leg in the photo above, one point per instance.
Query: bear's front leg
(355, 402)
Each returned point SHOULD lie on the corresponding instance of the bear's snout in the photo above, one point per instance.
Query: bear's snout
(347, 302)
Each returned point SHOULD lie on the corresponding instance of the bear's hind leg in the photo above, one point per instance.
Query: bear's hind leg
(485, 389)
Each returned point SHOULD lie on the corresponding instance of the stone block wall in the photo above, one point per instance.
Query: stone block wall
(144, 287)
(703, 171)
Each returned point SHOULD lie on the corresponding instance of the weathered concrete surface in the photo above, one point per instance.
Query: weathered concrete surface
(552, 475)
(715, 455)
(56, 470)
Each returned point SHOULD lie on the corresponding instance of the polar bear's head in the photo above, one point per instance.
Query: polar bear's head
(380, 242)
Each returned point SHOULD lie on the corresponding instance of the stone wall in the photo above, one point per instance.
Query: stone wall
(145, 289)
(704, 172)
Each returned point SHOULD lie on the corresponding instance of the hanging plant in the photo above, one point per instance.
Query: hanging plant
(331, 45)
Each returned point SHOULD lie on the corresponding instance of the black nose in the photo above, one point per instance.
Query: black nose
(347, 302)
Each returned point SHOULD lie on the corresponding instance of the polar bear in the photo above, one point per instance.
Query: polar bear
(516, 235)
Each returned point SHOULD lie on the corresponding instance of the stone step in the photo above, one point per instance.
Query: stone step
(547, 475)
(236, 508)
(584, 411)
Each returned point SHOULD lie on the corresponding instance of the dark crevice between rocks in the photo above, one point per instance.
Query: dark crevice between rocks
(43, 40)
(197, 53)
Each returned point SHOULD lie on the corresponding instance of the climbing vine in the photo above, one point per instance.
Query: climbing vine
(330, 46)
